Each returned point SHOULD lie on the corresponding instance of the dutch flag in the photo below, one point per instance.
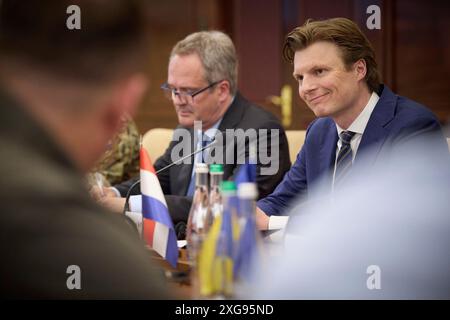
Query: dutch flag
(158, 227)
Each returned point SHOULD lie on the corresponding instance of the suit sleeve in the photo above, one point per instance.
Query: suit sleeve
(161, 162)
(422, 131)
(294, 184)
(126, 185)
(179, 207)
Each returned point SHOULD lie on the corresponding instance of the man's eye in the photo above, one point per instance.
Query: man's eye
(319, 71)
(188, 91)
(184, 91)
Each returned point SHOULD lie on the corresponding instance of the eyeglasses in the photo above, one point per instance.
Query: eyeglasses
(184, 94)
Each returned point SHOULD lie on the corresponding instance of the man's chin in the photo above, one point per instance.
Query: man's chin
(320, 112)
(187, 122)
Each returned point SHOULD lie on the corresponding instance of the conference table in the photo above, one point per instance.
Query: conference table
(178, 279)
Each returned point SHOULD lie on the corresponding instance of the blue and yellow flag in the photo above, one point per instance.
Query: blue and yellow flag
(246, 248)
(246, 173)
(215, 267)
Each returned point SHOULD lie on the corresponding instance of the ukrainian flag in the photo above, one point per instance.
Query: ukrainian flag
(247, 247)
(215, 266)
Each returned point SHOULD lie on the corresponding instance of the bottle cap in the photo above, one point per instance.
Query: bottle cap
(216, 169)
(248, 190)
(201, 168)
(228, 187)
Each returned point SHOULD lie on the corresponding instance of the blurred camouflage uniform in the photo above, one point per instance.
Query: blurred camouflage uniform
(121, 160)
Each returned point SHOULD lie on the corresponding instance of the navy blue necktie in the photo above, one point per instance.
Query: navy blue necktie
(205, 142)
(344, 158)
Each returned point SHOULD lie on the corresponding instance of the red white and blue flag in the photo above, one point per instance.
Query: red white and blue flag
(158, 230)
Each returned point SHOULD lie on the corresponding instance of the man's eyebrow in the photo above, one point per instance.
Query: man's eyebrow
(317, 66)
(311, 68)
(180, 88)
(320, 66)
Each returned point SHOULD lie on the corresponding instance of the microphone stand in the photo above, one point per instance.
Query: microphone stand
(127, 198)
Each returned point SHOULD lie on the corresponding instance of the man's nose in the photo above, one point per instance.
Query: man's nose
(307, 86)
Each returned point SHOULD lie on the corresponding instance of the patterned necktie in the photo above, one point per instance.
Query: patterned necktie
(344, 158)
(206, 140)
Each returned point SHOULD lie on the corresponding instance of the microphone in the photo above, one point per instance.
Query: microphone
(136, 183)
(188, 156)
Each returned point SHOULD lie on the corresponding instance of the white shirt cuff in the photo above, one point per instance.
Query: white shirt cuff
(277, 222)
(135, 203)
(136, 217)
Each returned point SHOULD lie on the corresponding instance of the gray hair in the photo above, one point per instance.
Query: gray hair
(216, 52)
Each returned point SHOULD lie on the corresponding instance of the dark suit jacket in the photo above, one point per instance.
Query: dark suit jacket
(394, 121)
(240, 115)
(48, 222)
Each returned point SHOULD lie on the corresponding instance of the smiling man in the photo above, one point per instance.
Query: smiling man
(337, 76)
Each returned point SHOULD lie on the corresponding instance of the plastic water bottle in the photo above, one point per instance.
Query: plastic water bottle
(215, 195)
(197, 225)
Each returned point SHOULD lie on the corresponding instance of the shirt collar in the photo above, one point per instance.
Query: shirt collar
(360, 123)
(210, 133)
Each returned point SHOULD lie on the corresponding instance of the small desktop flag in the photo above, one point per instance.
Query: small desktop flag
(246, 173)
(158, 228)
(216, 255)
(246, 247)
(216, 258)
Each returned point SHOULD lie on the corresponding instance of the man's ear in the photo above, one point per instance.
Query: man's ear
(360, 68)
(125, 100)
(130, 93)
(224, 90)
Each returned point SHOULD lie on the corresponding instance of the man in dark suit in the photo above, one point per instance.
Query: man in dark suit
(202, 83)
(59, 106)
(338, 79)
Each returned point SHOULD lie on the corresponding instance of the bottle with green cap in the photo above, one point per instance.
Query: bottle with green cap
(230, 200)
(225, 244)
(216, 258)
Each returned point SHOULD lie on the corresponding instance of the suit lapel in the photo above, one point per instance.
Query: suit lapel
(375, 133)
(328, 150)
(181, 177)
(231, 119)
(181, 174)
(234, 114)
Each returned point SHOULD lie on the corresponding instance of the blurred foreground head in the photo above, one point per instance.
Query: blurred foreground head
(384, 235)
(78, 83)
